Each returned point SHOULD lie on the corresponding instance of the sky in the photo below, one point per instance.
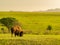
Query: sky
(28, 5)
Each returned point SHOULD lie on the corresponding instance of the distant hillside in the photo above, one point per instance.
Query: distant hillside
(54, 10)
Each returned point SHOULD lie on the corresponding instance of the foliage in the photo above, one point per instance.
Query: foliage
(49, 27)
(9, 22)
(2, 30)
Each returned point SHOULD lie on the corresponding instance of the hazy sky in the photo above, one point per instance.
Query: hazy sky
(28, 5)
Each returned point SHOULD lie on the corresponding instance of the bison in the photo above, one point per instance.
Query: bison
(17, 31)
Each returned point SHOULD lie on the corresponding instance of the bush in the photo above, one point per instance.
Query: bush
(49, 27)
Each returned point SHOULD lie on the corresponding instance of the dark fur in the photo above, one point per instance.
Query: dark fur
(16, 33)
(21, 33)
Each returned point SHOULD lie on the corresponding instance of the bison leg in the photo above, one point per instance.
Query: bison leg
(16, 33)
(12, 32)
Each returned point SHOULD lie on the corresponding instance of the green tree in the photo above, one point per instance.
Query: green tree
(9, 22)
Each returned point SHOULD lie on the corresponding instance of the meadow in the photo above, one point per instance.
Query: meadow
(27, 39)
(36, 23)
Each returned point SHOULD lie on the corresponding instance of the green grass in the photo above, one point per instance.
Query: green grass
(27, 39)
(36, 22)
(29, 36)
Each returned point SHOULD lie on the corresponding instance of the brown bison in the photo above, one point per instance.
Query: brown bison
(16, 30)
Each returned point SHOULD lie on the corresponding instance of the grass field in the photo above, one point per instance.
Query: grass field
(6, 39)
(36, 22)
